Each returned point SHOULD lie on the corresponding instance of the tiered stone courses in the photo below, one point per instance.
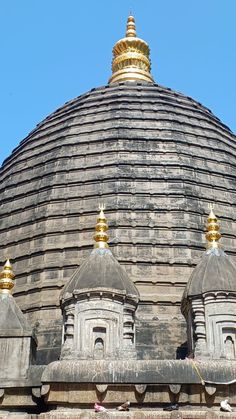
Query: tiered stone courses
(156, 158)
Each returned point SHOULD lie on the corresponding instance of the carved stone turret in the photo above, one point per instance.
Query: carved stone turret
(17, 345)
(209, 301)
(98, 305)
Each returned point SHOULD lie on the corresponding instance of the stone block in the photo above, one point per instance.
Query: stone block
(16, 354)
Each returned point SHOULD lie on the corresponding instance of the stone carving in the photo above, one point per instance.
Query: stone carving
(209, 301)
(154, 155)
(229, 346)
(156, 227)
(17, 344)
(98, 305)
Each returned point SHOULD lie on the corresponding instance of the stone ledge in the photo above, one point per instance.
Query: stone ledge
(32, 379)
(139, 372)
(138, 414)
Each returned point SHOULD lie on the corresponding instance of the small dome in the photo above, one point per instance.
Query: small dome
(100, 272)
(215, 272)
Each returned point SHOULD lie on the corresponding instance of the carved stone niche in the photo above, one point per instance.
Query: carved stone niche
(98, 305)
(99, 326)
(209, 306)
(211, 324)
(220, 314)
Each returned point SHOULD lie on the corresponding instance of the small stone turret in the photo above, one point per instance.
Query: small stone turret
(98, 305)
(17, 344)
(209, 301)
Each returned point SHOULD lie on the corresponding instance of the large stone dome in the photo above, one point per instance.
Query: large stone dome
(156, 158)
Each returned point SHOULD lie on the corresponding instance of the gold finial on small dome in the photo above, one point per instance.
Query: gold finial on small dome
(101, 237)
(212, 235)
(131, 60)
(6, 278)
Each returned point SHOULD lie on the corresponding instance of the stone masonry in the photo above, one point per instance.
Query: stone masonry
(155, 158)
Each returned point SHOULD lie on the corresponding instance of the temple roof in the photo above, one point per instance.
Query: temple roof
(12, 320)
(215, 272)
(154, 156)
(100, 272)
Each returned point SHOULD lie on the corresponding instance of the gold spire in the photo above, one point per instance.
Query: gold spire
(212, 235)
(6, 278)
(131, 29)
(101, 237)
(131, 57)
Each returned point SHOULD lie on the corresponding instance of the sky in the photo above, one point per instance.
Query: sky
(55, 50)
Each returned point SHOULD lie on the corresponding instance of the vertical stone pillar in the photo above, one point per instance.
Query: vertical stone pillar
(68, 343)
(199, 328)
(69, 328)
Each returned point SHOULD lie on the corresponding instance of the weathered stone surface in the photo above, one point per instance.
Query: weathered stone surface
(155, 158)
(140, 372)
(17, 415)
(12, 320)
(209, 306)
(193, 401)
(137, 414)
(17, 343)
(99, 326)
(99, 272)
(17, 399)
(98, 306)
(215, 272)
(16, 355)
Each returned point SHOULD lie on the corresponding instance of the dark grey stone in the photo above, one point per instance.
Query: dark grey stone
(139, 372)
(100, 272)
(215, 272)
(13, 323)
(155, 158)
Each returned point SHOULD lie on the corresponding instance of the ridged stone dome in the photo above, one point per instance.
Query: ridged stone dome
(100, 272)
(215, 272)
(155, 158)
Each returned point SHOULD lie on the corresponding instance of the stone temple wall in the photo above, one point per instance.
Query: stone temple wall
(156, 159)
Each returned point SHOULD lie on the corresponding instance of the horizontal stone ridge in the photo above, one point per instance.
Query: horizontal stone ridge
(156, 158)
(140, 372)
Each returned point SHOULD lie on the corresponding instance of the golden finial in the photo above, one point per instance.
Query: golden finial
(131, 29)
(6, 278)
(212, 235)
(101, 237)
(131, 57)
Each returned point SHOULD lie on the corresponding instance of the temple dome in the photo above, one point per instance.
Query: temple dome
(215, 272)
(100, 272)
(154, 156)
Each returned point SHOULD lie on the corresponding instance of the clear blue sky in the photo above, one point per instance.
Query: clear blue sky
(54, 50)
